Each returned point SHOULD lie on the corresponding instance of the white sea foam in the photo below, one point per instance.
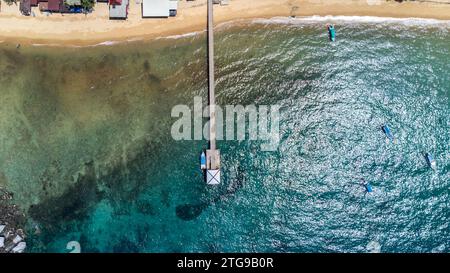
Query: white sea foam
(104, 43)
(108, 43)
(116, 42)
(350, 19)
(111, 43)
(180, 36)
(37, 45)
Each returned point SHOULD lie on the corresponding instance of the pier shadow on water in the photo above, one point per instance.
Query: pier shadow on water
(189, 212)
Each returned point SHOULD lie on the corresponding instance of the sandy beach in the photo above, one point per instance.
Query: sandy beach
(79, 29)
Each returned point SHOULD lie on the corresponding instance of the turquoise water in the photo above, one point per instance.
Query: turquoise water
(97, 164)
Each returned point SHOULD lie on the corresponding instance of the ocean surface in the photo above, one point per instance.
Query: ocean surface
(85, 142)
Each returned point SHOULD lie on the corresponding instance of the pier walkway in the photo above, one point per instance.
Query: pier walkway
(212, 155)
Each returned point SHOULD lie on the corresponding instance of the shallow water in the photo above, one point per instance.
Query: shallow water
(86, 146)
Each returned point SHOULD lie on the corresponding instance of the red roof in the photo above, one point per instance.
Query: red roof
(115, 2)
(53, 5)
(43, 6)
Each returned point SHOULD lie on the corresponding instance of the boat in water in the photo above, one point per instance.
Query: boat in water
(331, 33)
(387, 132)
(367, 185)
(203, 161)
(431, 161)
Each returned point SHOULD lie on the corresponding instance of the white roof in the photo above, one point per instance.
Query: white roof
(19, 248)
(155, 8)
(17, 239)
(173, 4)
(213, 177)
(118, 11)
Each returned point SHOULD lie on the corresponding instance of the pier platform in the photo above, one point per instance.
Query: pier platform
(212, 167)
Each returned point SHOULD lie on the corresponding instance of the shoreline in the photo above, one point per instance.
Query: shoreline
(262, 21)
(96, 29)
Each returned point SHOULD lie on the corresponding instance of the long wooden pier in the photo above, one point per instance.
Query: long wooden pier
(212, 155)
(211, 79)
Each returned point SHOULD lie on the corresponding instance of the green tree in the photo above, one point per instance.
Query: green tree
(10, 2)
(87, 4)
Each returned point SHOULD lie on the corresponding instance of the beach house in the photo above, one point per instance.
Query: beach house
(55, 5)
(173, 7)
(155, 8)
(25, 7)
(51, 5)
(118, 9)
(43, 5)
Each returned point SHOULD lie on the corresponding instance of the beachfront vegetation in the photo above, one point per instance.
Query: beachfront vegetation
(10, 2)
(87, 4)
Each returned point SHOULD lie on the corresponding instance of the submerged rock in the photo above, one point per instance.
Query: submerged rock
(73, 204)
(189, 212)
